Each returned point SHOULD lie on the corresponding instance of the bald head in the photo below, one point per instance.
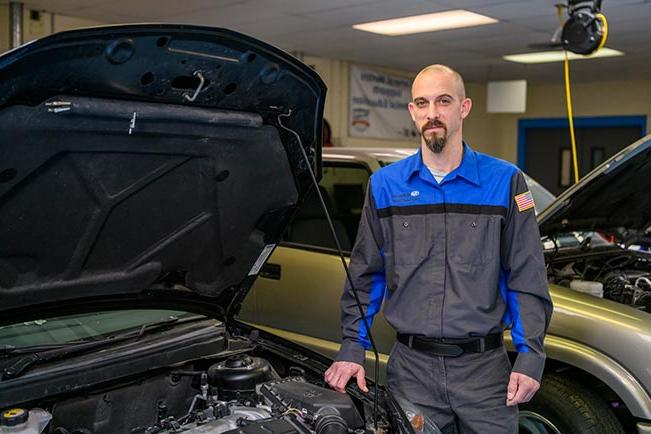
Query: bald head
(439, 107)
(445, 70)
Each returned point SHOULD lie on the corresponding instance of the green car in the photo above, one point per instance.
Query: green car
(598, 375)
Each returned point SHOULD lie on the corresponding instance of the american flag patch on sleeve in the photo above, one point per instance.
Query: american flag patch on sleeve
(524, 201)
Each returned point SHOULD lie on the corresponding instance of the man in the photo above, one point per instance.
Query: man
(448, 239)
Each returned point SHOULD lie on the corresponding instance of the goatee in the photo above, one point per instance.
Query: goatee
(435, 143)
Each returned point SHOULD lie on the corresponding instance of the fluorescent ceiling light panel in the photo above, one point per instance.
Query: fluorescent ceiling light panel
(558, 56)
(455, 19)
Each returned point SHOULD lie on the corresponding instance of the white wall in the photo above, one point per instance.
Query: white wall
(616, 98)
(34, 29)
(336, 74)
(5, 42)
(495, 134)
(479, 129)
(62, 22)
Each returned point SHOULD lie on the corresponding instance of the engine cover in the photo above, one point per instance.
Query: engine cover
(295, 392)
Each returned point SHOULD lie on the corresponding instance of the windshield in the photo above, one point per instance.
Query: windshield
(542, 198)
(72, 328)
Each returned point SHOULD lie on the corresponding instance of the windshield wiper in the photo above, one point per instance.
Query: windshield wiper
(10, 350)
(45, 353)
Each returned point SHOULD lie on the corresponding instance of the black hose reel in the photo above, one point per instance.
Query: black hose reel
(586, 29)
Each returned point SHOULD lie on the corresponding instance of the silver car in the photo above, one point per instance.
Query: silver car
(597, 377)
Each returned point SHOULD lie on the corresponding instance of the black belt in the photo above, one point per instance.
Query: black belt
(451, 347)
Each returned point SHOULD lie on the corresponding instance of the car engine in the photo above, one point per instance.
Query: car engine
(622, 276)
(242, 394)
(252, 399)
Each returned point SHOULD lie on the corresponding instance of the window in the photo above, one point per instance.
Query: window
(566, 168)
(343, 187)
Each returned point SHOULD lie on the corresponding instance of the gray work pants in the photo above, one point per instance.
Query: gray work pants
(467, 392)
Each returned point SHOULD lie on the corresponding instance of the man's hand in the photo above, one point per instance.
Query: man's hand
(521, 389)
(339, 373)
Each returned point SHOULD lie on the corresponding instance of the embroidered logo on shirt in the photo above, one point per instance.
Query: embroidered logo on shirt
(405, 197)
(524, 201)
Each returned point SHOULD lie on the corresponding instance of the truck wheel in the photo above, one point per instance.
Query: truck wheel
(563, 406)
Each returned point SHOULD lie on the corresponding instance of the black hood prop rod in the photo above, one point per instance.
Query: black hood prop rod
(343, 262)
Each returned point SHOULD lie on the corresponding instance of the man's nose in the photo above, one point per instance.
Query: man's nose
(432, 112)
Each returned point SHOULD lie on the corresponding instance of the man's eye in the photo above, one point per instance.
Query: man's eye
(445, 101)
(421, 104)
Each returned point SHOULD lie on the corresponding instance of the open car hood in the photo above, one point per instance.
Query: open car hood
(613, 199)
(145, 166)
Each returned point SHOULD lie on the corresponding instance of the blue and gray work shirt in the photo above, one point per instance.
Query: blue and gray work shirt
(454, 259)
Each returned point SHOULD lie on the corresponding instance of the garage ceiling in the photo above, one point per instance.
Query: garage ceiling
(323, 28)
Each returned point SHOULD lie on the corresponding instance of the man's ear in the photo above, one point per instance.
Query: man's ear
(466, 106)
(411, 109)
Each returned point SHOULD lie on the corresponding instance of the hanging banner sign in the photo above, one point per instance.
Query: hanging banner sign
(378, 105)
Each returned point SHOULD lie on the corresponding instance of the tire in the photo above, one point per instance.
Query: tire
(563, 406)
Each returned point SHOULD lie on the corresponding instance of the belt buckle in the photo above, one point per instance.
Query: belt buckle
(444, 349)
(450, 350)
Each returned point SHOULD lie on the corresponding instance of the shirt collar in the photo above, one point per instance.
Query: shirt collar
(413, 165)
(467, 170)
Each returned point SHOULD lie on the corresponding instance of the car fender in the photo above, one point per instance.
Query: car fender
(603, 367)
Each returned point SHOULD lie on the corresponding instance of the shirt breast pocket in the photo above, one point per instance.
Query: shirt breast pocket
(411, 238)
(473, 239)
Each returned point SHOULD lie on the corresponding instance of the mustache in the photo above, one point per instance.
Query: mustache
(433, 124)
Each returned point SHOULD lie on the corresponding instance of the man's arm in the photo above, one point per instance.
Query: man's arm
(529, 303)
(367, 272)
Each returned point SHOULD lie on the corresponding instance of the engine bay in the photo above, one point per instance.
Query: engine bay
(250, 392)
(244, 394)
(614, 273)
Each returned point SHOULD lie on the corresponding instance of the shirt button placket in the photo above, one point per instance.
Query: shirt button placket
(444, 260)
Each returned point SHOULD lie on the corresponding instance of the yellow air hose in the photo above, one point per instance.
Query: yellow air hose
(570, 118)
(604, 22)
(568, 93)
